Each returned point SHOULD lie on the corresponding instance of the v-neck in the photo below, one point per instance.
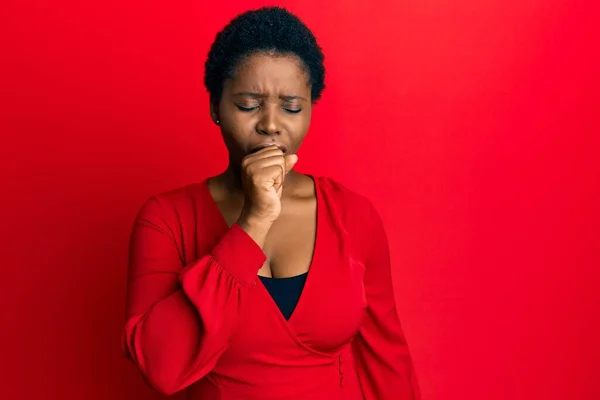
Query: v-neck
(314, 261)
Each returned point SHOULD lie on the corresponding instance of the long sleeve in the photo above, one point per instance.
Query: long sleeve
(180, 318)
(383, 362)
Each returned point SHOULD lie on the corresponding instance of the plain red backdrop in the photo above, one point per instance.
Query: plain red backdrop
(472, 125)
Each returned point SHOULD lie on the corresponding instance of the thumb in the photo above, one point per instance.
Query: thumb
(290, 162)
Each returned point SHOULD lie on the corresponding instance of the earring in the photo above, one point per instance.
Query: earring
(217, 122)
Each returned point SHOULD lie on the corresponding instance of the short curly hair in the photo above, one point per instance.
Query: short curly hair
(268, 29)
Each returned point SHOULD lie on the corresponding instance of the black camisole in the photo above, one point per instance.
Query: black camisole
(285, 291)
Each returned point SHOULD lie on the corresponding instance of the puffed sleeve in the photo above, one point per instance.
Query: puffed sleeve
(180, 317)
(383, 363)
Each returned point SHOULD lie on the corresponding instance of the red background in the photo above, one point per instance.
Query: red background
(472, 125)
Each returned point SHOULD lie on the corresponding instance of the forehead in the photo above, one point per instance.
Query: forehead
(266, 73)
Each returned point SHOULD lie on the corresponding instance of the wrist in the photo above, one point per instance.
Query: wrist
(256, 227)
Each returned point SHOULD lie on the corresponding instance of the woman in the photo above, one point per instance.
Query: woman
(263, 283)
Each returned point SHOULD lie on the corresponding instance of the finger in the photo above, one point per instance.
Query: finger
(290, 162)
(257, 165)
(270, 176)
(286, 164)
(262, 154)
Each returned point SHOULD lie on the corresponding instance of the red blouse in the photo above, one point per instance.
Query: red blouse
(198, 317)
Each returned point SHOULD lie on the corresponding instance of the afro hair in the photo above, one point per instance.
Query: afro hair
(269, 29)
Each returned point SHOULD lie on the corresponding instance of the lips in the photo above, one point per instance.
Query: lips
(261, 146)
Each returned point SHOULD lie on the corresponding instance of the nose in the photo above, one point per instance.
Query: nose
(268, 124)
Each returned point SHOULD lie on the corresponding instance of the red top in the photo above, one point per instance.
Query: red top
(198, 317)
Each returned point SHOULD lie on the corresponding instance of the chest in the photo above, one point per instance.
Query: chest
(310, 236)
(327, 315)
(291, 241)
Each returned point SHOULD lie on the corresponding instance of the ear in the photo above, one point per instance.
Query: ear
(214, 112)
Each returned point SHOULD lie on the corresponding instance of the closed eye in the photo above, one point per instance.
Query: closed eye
(246, 109)
(250, 109)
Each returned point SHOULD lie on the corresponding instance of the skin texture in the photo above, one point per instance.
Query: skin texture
(267, 102)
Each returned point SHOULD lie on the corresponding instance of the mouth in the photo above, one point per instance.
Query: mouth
(259, 147)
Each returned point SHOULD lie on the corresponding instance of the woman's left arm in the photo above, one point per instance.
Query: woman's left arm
(383, 362)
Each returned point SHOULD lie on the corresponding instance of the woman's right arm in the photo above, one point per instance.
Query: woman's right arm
(180, 318)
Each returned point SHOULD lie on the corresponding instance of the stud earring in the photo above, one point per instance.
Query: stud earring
(217, 122)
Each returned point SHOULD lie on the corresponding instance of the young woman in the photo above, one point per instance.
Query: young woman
(262, 283)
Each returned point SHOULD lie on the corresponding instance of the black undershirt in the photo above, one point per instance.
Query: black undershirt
(285, 292)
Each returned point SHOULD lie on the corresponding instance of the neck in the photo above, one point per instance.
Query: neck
(232, 178)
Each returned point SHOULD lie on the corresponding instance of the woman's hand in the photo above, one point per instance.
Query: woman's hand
(263, 174)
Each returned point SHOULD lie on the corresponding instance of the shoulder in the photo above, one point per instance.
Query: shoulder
(357, 216)
(350, 201)
(172, 203)
(354, 211)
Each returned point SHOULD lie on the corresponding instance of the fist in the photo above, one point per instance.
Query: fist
(263, 174)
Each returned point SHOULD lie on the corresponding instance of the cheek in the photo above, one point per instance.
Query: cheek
(301, 127)
(234, 135)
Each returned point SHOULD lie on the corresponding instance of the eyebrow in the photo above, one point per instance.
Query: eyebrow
(259, 96)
